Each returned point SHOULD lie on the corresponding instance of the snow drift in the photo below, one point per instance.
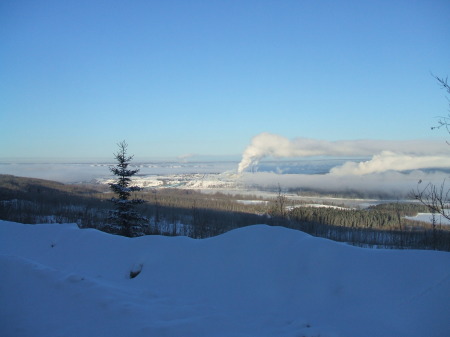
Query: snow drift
(58, 280)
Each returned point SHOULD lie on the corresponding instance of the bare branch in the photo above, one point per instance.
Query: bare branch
(444, 121)
(436, 199)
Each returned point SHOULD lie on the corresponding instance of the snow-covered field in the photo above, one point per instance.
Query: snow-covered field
(427, 217)
(185, 181)
(318, 206)
(58, 280)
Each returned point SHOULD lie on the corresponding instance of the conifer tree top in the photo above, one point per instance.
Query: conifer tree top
(128, 221)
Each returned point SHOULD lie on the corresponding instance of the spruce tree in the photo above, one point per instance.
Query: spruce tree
(125, 219)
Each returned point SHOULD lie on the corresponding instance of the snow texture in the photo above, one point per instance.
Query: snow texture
(427, 217)
(58, 280)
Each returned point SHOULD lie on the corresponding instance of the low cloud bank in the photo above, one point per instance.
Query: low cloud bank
(390, 184)
(388, 161)
(65, 173)
(386, 155)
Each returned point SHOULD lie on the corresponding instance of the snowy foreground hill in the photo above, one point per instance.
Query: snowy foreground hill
(58, 280)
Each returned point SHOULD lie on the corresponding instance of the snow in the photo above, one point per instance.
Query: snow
(318, 206)
(197, 181)
(427, 217)
(58, 280)
(252, 202)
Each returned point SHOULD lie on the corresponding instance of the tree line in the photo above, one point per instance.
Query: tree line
(198, 215)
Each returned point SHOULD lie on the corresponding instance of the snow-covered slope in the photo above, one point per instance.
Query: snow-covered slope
(58, 280)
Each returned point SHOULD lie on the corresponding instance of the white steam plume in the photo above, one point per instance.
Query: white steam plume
(267, 144)
(387, 161)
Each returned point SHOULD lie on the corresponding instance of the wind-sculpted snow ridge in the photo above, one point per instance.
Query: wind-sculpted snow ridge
(58, 280)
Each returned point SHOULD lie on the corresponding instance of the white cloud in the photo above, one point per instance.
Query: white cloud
(391, 183)
(272, 145)
(387, 161)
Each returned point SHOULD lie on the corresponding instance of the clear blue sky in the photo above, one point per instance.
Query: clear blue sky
(204, 77)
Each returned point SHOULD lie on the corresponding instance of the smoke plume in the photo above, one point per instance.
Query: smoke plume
(390, 161)
(271, 145)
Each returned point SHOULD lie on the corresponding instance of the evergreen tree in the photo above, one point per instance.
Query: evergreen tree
(125, 219)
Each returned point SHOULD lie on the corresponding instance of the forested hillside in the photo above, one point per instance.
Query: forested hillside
(199, 215)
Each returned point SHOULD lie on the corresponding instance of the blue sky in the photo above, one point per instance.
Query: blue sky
(204, 77)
